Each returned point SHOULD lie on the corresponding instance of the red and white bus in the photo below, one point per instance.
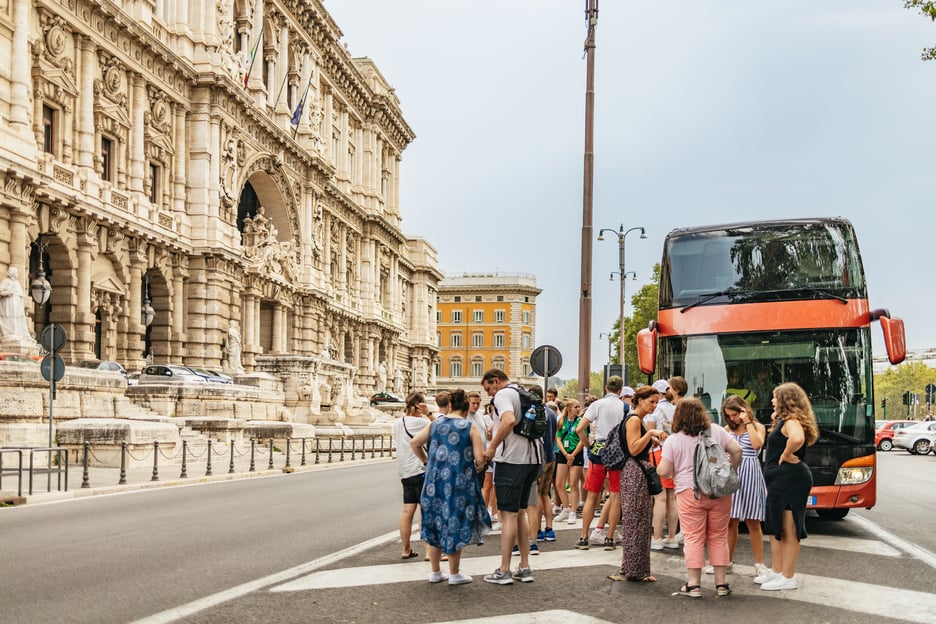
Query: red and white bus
(748, 306)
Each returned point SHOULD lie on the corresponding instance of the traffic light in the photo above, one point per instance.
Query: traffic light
(884, 402)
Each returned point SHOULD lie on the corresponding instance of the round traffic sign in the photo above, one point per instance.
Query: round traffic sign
(52, 366)
(546, 360)
(52, 337)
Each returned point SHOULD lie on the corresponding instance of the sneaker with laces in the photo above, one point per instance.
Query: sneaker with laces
(556, 509)
(549, 535)
(459, 579)
(516, 550)
(499, 578)
(766, 576)
(598, 535)
(534, 549)
(572, 519)
(656, 544)
(437, 577)
(670, 543)
(609, 544)
(760, 569)
(540, 536)
(618, 536)
(711, 569)
(780, 582)
(582, 544)
(562, 515)
(524, 575)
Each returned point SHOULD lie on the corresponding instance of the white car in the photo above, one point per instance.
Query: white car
(919, 439)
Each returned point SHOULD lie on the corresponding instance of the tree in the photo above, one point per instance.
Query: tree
(646, 306)
(595, 382)
(928, 8)
(892, 383)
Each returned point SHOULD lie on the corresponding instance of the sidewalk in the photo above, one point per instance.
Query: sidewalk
(107, 480)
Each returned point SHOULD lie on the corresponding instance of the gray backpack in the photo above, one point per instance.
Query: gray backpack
(712, 471)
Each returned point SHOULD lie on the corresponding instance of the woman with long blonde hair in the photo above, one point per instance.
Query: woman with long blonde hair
(569, 461)
(788, 483)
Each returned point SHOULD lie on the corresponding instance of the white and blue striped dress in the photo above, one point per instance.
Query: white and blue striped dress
(750, 501)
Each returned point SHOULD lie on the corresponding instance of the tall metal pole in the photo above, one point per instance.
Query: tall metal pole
(585, 303)
(623, 278)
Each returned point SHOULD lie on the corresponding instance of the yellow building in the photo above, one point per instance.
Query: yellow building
(485, 320)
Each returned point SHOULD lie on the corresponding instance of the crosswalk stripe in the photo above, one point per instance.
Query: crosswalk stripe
(553, 616)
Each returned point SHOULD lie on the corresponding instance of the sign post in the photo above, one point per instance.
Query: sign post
(52, 366)
(546, 361)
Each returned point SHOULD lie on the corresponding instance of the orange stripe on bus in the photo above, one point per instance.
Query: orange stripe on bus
(775, 315)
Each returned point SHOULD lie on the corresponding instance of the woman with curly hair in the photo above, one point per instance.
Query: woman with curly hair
(788, 483)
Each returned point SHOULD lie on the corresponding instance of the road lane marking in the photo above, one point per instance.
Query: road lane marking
(553, 616)
(898, 542)
(848, 544)
(177, 613)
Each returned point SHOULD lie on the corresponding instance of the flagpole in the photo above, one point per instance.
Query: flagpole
(302, 103)
(253, 58)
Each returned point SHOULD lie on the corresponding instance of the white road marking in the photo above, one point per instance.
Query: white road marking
(887, 602)
(911, 549)
(176, 613)
(849, 544)
(555, 616)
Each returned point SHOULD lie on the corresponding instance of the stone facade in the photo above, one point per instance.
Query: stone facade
(146, 160)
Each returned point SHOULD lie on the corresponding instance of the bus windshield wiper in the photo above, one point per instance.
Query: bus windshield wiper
(839, 435)
(707, 297)
(822, 293)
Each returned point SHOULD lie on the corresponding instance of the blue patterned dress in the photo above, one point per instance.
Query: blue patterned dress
(750, 501)
(453, 511)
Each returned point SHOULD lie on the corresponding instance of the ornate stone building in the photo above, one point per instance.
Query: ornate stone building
(222, 163)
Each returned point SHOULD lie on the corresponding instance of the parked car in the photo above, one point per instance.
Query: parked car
(918, 439)
(162, 373)
(385, 397)
(104, 365)
(19, 357)
(210, 375)
(884, 435)
(133, 379)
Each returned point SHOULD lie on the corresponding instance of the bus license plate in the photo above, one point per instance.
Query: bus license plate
(812, 501)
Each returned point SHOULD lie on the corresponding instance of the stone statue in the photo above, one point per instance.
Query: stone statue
(12, 308)
(382, 377)
(234, 348)
(398, 382)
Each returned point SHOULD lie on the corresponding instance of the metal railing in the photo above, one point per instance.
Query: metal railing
(57, 467)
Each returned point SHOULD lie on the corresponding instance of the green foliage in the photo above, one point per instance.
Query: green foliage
(892, 383)
(645, 303)
(595, 380)
(928, 8)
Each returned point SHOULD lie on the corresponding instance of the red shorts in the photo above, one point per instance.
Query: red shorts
(594, 479)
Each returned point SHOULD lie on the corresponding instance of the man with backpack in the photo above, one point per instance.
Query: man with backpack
(517, 461)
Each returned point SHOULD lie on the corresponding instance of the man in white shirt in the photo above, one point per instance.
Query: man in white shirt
(517, 462)
(412, 470)
(601, 416)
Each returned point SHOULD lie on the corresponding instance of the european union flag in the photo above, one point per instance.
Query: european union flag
(297, 114)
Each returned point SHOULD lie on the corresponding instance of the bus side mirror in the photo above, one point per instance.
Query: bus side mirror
(646, 350)
(895, 340)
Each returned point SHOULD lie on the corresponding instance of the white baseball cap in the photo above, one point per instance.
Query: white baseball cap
(626, 391)
(661, 385)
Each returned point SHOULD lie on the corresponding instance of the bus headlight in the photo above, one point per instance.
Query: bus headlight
(856, 471)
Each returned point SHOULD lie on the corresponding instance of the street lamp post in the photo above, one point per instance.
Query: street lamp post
(608, 336)
(621, 235)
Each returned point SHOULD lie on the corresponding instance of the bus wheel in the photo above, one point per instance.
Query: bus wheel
(886, 445)
(832, 514)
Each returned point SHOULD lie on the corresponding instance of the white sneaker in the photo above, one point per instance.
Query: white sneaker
(618, 536)
(780, 582)
(679, 537)
(711, 569)
(656, 544)
(459, 579)
(572, 518)
(556, 509)
(597, 536)
(766, 576)
(562, 515)
(760, 569)
(670, 543)
(437, 577)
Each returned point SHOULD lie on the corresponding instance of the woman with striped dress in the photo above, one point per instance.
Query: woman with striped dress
(750, 501)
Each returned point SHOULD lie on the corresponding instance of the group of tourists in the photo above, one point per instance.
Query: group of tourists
(469, 470)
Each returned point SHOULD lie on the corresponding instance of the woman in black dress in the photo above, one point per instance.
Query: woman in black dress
(788, 483)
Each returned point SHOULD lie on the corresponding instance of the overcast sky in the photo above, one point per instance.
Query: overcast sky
(707, 111)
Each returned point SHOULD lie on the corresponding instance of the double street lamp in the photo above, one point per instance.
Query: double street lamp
(622, 274)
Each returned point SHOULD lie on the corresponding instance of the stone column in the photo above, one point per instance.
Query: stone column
(279, 329)
(177, 329)
(181, 161)
(18, 258)
(19, 71)
(137, 151)
(133, 358)
(84, 318)
(249, 323)
(86, 104)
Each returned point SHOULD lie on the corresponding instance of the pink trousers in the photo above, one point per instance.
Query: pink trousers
(704, 522)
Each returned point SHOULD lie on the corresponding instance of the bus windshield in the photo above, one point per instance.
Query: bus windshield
(832, 366)
(761, 262)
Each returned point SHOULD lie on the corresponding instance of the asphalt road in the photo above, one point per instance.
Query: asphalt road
(320, 546)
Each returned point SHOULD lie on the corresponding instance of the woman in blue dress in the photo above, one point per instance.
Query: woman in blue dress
(750, 501)
(453, 510)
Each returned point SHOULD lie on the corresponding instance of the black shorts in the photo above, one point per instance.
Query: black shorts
(512, 484)
(412, 489)
(578, 460)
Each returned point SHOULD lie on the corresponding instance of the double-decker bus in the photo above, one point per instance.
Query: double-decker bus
(747, 306)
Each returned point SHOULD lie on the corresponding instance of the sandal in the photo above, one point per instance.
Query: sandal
(642, 579)
(410, 555)
(722, 590)
(693, 591)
